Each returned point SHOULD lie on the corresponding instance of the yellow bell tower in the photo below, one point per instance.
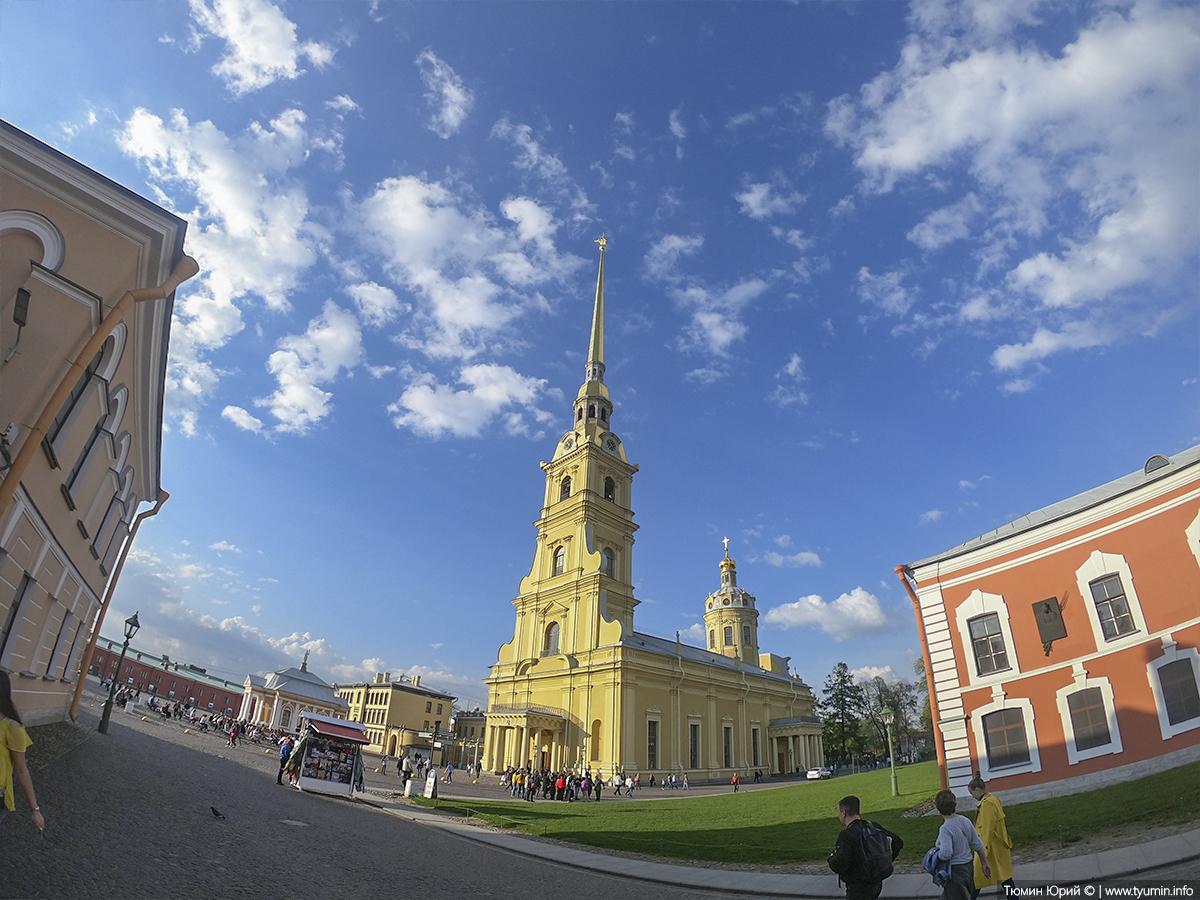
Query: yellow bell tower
(730, 617)
(579, 593)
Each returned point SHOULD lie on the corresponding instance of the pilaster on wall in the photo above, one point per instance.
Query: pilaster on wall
(952, 726)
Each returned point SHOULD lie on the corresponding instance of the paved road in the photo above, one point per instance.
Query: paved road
(128, 817)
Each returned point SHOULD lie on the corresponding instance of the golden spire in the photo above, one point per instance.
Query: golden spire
(596, 350)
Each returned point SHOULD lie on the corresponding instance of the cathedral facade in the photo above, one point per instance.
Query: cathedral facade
(579, 688)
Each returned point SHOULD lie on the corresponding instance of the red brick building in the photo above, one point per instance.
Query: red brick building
(1061, 648)
(167, 680)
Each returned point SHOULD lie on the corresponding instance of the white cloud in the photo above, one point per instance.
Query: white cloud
(377, 305)
(260, 43)
(449, 98)
(472, 275)
(1077, 161)
(249, 231)
(850, 615)
(886, 291)
(675, 120)
(533, 159)
(762, 200)
(224, 546)
(341, 104)
(867, 673)
(783, 540)
(786, 393)
(331, 343)
(934, 515)
(795, 561)
(715, 311)
(694, 632)
(706, 375)
(434, 410)
(242, 419)
(946, 225)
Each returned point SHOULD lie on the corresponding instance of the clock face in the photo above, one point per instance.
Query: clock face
(610, 445)
(569, 443)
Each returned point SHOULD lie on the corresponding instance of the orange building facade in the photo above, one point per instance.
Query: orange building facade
(1061, 649)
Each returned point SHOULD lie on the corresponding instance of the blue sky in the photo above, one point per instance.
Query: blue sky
(881, 277)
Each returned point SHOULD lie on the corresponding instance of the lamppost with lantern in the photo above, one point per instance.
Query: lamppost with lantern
(888, 717)
(131, 628)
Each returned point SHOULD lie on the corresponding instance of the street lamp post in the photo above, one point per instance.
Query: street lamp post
(131, 628)
(888, 717)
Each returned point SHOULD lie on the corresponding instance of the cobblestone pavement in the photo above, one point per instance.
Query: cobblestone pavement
(128, 816)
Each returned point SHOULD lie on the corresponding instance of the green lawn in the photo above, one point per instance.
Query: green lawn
(798, 823)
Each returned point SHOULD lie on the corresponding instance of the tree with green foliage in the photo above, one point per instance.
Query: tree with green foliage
(841, 707)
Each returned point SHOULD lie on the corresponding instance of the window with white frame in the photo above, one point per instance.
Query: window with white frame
(560, 561)
(652, 744)
(1089, 717)
(1175, 682)
(983, 628)
(1005, 736)
(694, 745)
(1110, 598)
(987, 643)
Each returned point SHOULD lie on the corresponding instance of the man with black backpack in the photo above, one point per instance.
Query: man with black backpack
(863, 855)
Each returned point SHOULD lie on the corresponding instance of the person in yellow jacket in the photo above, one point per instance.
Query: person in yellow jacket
(989, 822)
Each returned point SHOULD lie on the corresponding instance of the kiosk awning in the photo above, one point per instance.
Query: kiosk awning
(341, 729)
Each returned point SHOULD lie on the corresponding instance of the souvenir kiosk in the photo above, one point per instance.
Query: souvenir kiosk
(330, 752)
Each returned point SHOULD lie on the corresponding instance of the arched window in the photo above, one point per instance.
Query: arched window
(560, 561)
(286, 721)
(564, 489)
(596, 729)
(610, 490)
(579, 414)
(746, 636)
(712, 639)
(603, 414)
(728, 635)
(606, 565)
(550, 643)
(591, 411)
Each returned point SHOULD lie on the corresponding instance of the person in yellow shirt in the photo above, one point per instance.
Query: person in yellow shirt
(13, 743)
(989, 822)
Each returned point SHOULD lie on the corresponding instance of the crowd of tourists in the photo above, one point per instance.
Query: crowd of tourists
(526, 783)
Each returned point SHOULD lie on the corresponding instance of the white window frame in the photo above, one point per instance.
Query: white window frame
(1193, 537)
(1001, 702)
(978, 604)
(1098, 565)
(1082, 682)
(1171, 652)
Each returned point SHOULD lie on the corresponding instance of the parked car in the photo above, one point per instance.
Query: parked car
(818, 773)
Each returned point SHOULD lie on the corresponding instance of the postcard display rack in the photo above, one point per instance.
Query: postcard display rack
(330, 751)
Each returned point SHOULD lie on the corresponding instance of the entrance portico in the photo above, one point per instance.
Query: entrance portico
(523, 736)
(795, 743)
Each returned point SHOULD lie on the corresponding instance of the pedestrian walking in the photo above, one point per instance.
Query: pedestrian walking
(13, 743)
(863, 854)
(957, 843)
(997, 845)
(285, 751)
(736, 782)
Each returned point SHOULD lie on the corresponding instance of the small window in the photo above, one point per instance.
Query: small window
(728, 747)
(1089, 719)
(988, 644)
(564, 489)
(606, 565)
(728, 635)
(603, 414)
(1180, 694)
(560, 560)
(428, 706)
(754, 747)
(285, 722)
(694, 745)
(591, 411)
(1005, 738)
(652, 745)
(426, 726)
(712, 639)
(746, 636)
(579, 414)
(1112, 607)
(439, 709)
(550, 641)
(610, 490)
